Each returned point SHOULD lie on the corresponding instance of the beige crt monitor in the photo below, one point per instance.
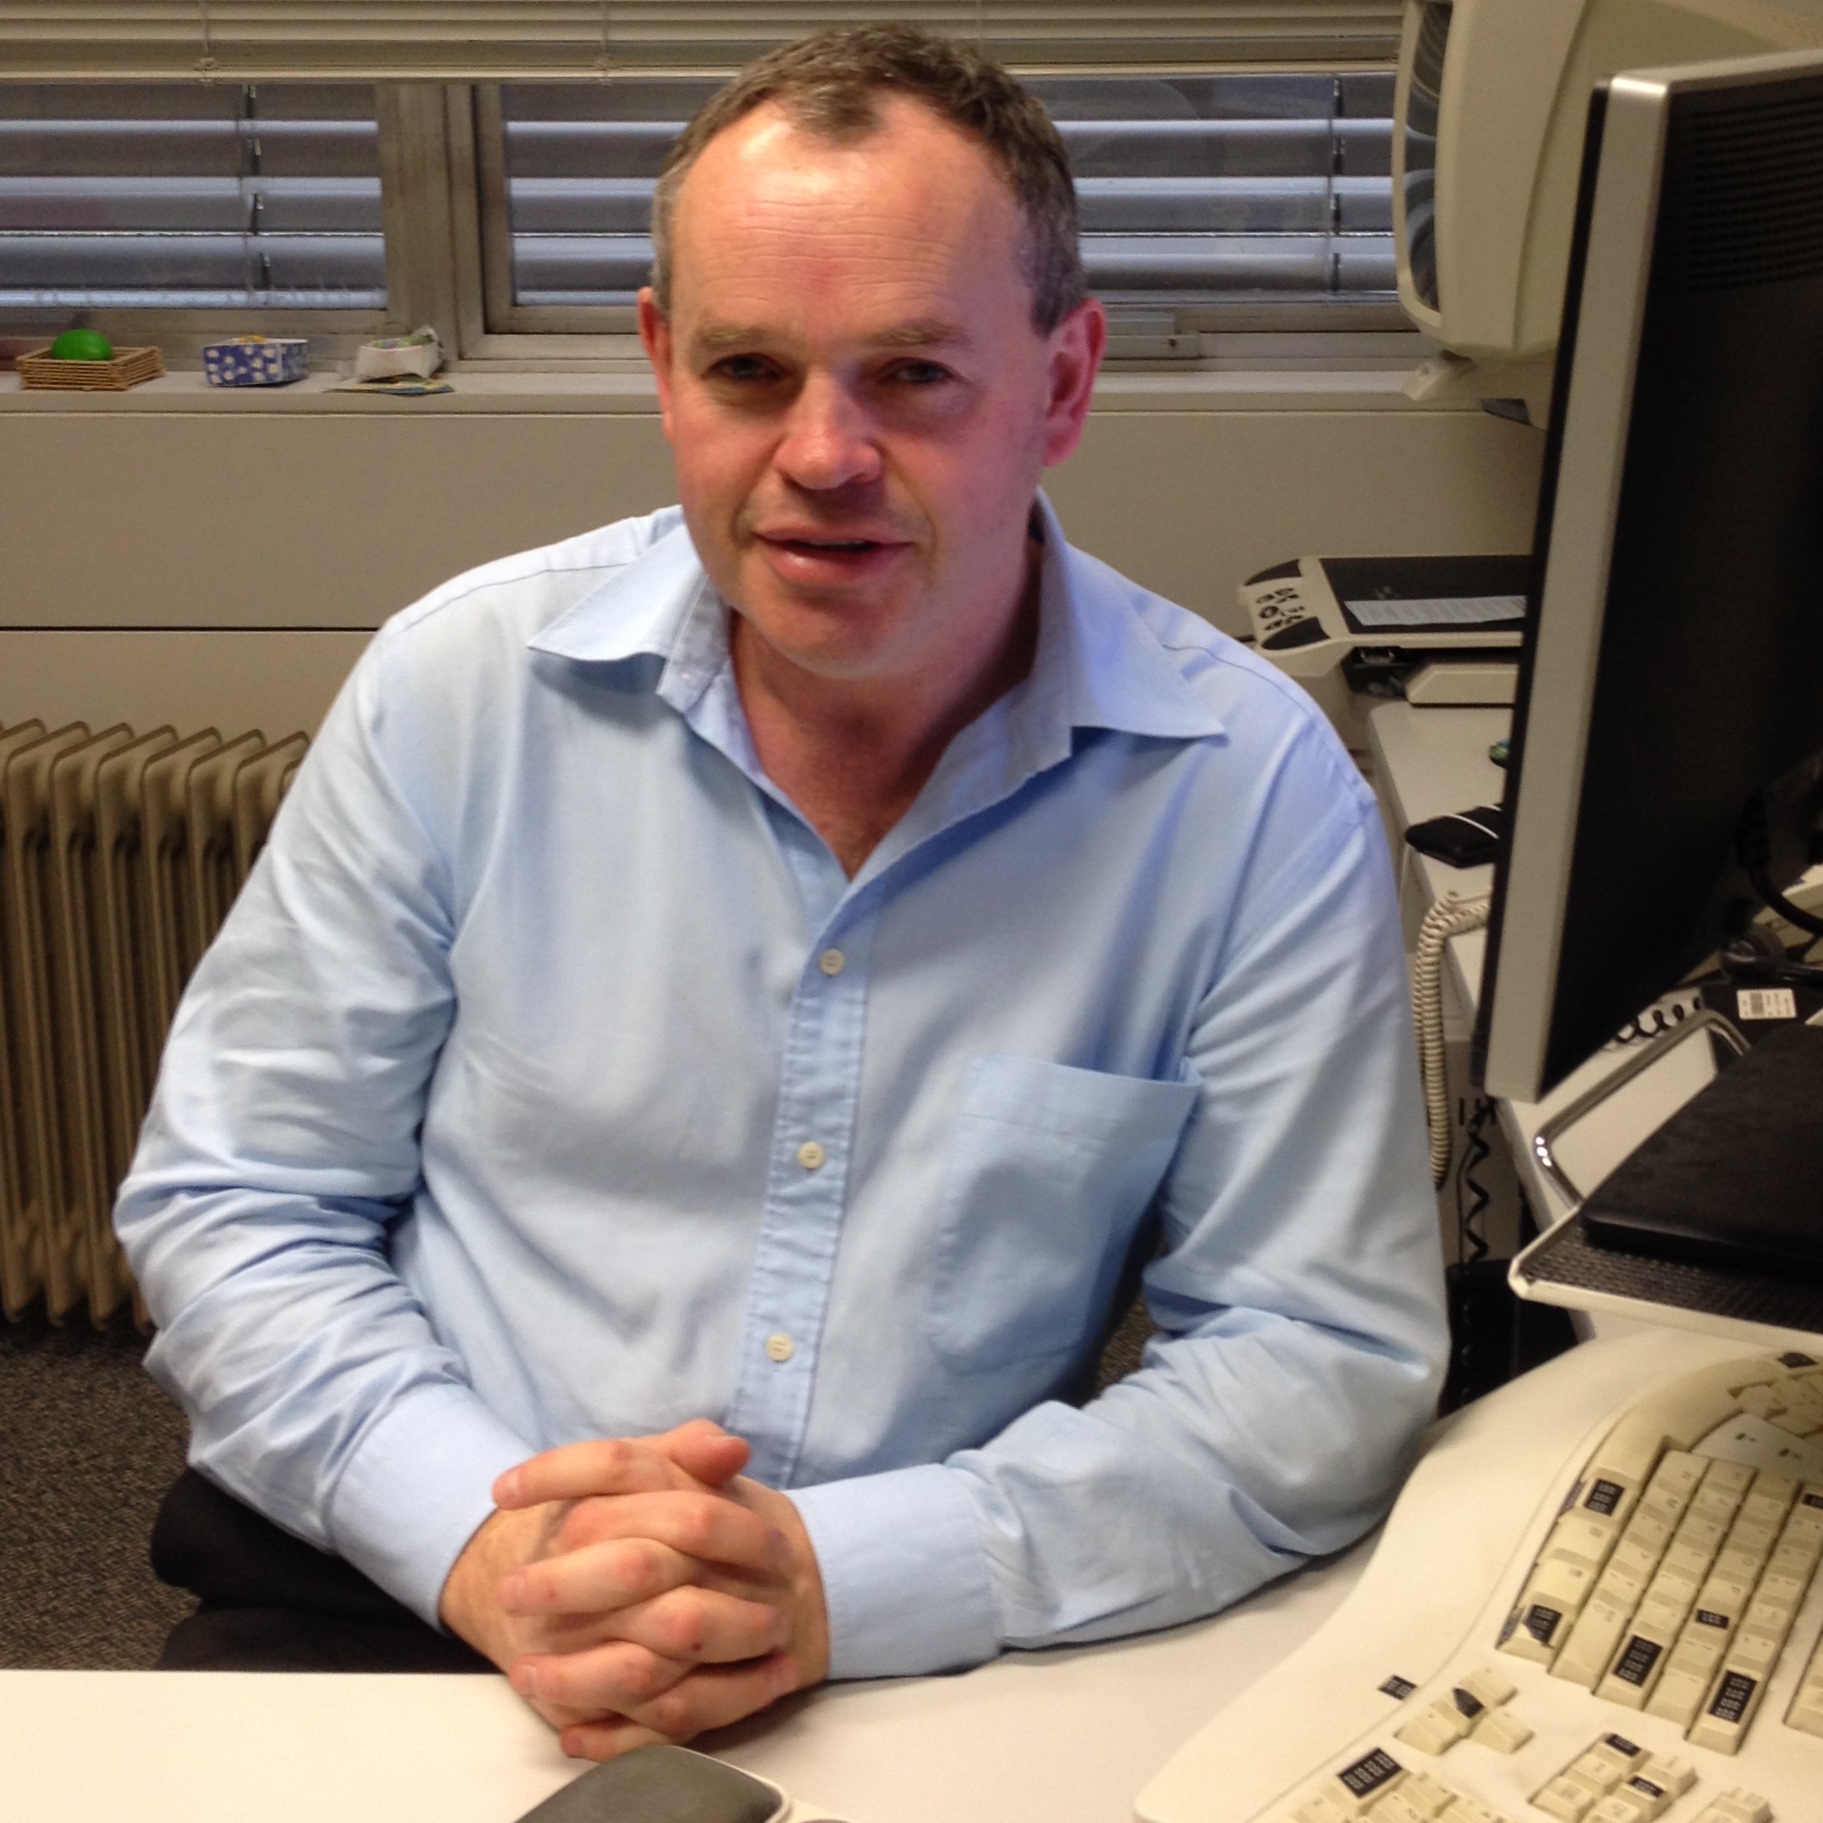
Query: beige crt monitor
(1489, 114)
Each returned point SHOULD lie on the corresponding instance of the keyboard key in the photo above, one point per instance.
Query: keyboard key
(1621, 1807)
(1434, 1729)
(1584, 1538)
(1770, 1497)
(1612, 1757)
(1736, 1806)
(1688, 1674)
(1806, 1711)
(1536, 1629)
(1360, 1782)
(1418, 1798)
(1567, 1799)
(1647, 1794)
(1636, 1669)
(1320, 1810)
(1645, 1540)
(1785, 1581)
(1675, 1776)
(1764, 1401)
(1726, 1595)
(1756, 1537)
(1609, 1494)
(1489, 1686)
(1470, 1810)
(1694, 1549)
(1594, 1640)
(1732, 1706)
(1675, 1587)
(1623, 1582)
(1501, 1730)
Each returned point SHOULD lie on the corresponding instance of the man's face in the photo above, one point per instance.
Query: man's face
(858, 402)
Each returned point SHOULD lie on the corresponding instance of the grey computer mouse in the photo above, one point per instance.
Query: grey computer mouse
(663, 1785)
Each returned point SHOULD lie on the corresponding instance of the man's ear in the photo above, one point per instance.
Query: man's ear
(655, 338)
(1074, 357)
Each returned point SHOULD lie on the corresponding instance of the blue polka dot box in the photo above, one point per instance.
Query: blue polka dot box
(256, 361)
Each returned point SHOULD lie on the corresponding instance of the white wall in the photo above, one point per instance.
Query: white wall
(164, 559)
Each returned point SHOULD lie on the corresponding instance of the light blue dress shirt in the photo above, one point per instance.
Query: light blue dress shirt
(550, 1080)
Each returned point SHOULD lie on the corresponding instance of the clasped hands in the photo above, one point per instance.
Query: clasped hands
(642, 1590)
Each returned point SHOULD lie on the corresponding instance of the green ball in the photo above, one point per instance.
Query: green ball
(82, 345)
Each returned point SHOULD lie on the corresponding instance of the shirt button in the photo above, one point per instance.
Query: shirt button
(779, 1346)
(811, 1155)
(832, 962)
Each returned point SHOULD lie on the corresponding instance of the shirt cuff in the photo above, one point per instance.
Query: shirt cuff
(417, 1489)
(905, 1577)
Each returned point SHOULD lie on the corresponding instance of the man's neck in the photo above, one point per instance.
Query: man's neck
(853, 755)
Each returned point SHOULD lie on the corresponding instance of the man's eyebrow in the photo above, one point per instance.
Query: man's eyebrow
(920, 332)
(727, 335)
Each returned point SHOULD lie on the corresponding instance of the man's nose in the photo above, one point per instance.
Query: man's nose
(829, 439)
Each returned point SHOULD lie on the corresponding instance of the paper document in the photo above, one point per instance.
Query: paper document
(1438, 611)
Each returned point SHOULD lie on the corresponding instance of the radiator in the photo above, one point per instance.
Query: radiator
(119, 855)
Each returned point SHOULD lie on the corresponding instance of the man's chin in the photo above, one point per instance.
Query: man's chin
(844, 644)
(835, 632)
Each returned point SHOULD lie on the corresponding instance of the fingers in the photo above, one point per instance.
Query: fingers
(708, 1698)
(608, 1738)
(684, 1627)
(705, 1527)
(703, 1627)
(596, 1578)
(600, 1680)
(705, 1450)
(716, 1695)
(626, 1678)
(697, 1454)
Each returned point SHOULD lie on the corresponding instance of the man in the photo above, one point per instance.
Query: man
(741, 992)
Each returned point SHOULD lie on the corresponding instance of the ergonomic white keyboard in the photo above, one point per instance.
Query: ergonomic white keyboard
(1596, 1601)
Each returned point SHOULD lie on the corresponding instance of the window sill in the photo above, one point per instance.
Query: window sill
(553, 392)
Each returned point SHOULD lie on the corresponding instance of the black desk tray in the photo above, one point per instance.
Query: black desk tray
(1720, 1211)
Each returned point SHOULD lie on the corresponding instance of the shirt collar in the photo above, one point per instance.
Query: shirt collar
(1098, 663)
(660, 605)
(1098, 660)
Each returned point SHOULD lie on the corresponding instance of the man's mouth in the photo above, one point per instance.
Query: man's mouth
(819, 546)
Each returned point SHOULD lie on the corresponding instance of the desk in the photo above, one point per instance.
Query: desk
(1062, 1736)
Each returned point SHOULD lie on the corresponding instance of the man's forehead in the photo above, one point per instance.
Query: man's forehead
(911, 159)
(775, 219)
(713, 333)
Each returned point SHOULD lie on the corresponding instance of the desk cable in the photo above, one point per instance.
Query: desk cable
(1449, 917)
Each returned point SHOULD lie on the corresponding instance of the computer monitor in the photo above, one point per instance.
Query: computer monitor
(1672, 675)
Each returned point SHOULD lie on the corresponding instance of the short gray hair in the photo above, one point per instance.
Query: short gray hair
(829, 85)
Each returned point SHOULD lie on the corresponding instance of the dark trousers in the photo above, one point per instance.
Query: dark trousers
(269, 1602)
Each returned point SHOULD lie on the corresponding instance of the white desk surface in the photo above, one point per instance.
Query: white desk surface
(1063, 1736)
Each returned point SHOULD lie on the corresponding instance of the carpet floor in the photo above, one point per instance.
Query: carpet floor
(88, 1446)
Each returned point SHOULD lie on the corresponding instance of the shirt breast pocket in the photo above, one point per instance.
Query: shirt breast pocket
(1048, 1165)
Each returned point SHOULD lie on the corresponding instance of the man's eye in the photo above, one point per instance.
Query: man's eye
(918, 373)
(743, 367)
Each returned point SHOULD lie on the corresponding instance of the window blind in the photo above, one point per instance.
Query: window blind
(455, 40)
(1194, 190)
(157, 196)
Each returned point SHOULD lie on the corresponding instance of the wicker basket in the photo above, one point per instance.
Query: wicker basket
(38, 370)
